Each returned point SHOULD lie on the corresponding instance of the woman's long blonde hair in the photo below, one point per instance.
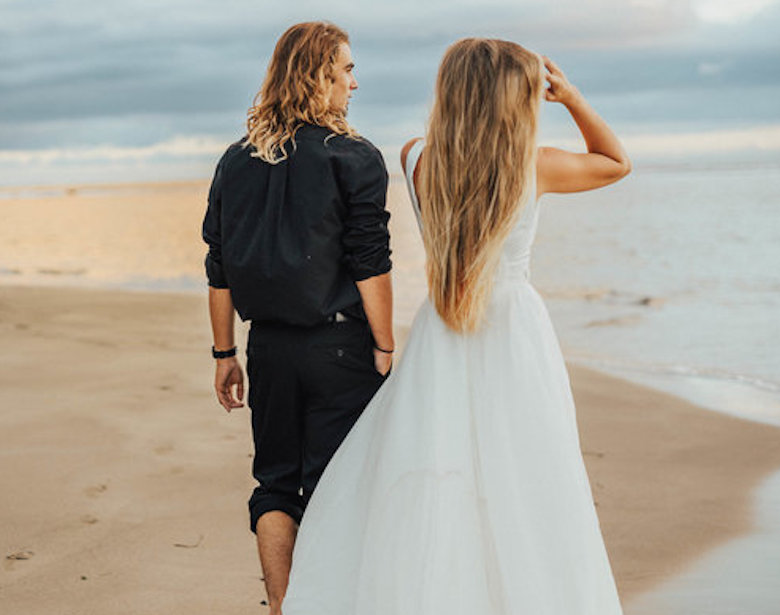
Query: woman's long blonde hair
(477, 170)
(296, 89)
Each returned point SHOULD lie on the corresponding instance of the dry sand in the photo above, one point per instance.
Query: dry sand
(123, 483)
(95, 235)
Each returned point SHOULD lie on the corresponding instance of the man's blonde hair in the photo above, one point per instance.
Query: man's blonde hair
(297, 89)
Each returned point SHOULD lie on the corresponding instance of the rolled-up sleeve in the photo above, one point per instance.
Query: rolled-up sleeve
(212, 230)
(366, 237)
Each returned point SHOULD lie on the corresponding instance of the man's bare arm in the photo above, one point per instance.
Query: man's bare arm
(377, 295)
(228, 373)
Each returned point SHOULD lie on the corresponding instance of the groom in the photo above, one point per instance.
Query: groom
(298, 244)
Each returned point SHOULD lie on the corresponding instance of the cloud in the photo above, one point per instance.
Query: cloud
(729, 11)
(758, 138)
(707, 69)
(85, 74)
(691, 144)
(178, 147)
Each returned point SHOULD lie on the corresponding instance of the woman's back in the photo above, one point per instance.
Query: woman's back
(514, 264)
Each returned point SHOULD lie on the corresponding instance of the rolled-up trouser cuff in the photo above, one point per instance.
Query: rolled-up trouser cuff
(262, 502)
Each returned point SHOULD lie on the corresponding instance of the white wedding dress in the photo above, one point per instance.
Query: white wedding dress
(461, 489)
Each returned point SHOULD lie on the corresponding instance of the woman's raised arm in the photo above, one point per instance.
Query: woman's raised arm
(562, 171)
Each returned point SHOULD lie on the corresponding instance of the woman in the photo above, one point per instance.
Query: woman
(461, 489)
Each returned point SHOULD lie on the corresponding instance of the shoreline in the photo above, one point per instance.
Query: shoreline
(118, 248)
(725, 393)
(121, 468)
(58, 190)
(733, 395)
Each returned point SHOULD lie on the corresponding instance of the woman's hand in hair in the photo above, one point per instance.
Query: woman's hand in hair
(559, 88)
(605, 162)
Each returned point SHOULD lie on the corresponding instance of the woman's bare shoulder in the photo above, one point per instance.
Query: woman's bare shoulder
(405, 150)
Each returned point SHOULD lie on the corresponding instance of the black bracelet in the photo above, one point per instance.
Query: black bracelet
(383, 350)
(223, 354)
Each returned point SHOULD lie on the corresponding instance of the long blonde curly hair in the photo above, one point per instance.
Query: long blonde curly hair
(477, 169)
(296, 89)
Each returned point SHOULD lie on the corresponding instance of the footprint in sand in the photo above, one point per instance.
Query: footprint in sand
(56, 271)
(95, 490)
(20, 555)
(89, 519)
(163, 449)
(96, 342)
(596, 454)
(189, 545)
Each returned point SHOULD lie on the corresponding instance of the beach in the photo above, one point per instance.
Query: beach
(124, 483)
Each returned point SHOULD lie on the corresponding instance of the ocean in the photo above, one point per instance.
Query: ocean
(671, 278)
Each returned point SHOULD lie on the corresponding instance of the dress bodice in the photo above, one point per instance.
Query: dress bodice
(516, 252)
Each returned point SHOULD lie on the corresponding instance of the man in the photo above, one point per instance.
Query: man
(298, 244)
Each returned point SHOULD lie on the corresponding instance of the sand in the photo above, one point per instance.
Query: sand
(124, 483)
(96, 235)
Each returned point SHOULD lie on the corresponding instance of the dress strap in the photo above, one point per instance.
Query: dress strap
(412, 158)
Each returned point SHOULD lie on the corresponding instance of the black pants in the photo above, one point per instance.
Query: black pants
(307, 387)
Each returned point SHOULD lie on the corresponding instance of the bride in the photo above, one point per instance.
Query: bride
(461, 489)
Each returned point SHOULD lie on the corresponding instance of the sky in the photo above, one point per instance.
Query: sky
(144, 91)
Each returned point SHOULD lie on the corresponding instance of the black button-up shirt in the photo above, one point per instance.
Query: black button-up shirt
(290, 240)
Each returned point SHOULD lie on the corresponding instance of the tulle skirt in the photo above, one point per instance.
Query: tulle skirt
(461, 489)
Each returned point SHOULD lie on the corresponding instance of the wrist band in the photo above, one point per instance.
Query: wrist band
(223, 354)
(383, 350)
